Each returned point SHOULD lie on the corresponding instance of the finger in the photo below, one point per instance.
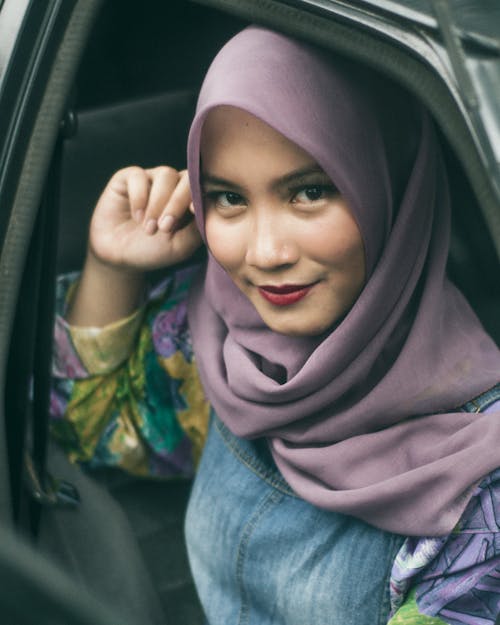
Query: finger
(138, 185)
(177, 206)
(185, 242)
(163, 183)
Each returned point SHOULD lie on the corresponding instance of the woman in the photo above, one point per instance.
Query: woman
(345, 477)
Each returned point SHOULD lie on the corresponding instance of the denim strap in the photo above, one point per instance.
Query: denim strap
(484, 401)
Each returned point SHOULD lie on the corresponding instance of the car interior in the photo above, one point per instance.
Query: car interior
(132, 103)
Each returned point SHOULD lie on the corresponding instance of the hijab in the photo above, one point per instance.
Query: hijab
(365, 419)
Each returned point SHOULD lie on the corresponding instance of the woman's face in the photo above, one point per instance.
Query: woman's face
(277, 225)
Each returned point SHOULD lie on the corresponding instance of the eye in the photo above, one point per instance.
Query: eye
(313, 193)
(227, 198)
(224, 199)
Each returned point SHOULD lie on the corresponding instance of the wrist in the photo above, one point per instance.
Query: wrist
(105, 293)
(96, 265)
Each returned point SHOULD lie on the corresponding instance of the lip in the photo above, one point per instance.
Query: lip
(285, 294)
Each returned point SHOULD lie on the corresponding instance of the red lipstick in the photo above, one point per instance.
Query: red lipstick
(285, 294)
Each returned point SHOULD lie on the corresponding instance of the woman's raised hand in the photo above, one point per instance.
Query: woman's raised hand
(142, 220)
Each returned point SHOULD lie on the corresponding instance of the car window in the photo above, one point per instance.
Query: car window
(11, 15)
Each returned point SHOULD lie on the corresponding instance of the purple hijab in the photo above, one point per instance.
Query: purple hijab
(367, 421)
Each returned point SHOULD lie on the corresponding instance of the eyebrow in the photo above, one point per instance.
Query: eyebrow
(293, 176)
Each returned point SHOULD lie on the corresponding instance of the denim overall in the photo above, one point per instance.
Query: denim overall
(260, 555)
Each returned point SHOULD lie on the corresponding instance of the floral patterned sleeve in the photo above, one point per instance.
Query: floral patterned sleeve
(128, 395)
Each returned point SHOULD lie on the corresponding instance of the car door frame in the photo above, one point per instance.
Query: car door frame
(37, 72)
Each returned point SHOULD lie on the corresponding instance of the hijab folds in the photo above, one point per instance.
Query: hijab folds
(366, 422)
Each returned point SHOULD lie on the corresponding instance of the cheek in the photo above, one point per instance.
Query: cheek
(337, 243)
(225, 242)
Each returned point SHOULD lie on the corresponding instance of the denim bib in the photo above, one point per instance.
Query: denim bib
(260, 555)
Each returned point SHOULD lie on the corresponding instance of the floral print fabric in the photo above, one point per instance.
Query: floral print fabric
(128, 395)
(457, 577)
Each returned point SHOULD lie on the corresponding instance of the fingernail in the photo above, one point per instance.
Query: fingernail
(151, 226)
(166, 223)
(139, 216)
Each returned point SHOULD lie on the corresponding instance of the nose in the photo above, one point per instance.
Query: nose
(271, 244)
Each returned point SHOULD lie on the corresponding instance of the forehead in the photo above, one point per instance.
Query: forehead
(230, 132)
